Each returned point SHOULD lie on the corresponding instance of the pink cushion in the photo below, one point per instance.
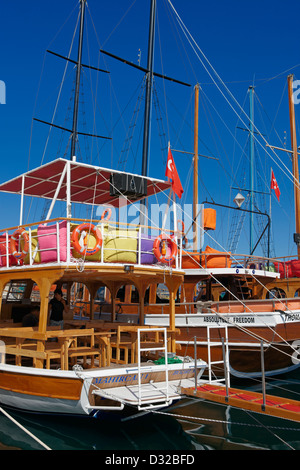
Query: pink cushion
(47, 238)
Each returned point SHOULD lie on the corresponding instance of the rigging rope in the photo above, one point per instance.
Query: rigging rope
(196, 47)
(24, 429)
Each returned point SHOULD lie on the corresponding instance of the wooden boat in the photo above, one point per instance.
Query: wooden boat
(245, 300)
(97, 367)
(114, 351)
(252, 329)
(40, 375)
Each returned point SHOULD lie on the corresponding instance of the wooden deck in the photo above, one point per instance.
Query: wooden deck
(274, 406)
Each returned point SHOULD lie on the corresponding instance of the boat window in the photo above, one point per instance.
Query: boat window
(276, 293)
(121, 294)
(14, 291)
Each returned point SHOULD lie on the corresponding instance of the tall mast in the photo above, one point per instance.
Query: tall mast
(77, 85)
(295, 159)
(149, 78)
(251, 96)
(195, 196)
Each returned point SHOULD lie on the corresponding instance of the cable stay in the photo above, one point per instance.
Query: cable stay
(237, 224)
(127, 142)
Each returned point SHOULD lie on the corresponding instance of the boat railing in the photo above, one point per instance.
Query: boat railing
(230, 306)
(73, 241)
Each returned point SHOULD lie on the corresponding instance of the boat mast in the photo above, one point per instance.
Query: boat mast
(295, 161)
(196, 158)
(251, 96)
(77, 85)
(149, 79)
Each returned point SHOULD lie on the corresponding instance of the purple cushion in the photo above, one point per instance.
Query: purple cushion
(147, 256)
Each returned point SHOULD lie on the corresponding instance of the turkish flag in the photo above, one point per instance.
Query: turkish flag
(171, 173)
(274, 185)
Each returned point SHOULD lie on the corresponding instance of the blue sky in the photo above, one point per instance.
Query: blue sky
(253, 43)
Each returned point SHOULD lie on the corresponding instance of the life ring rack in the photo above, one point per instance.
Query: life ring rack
(158, 253)
(20, 232)
(83, 250)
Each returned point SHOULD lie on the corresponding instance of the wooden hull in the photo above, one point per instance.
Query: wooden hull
(279, 333)
(73, 392)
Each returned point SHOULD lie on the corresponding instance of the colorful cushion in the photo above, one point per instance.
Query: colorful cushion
(120, 246)
(47, 238)
(147, 256)
(213, 261)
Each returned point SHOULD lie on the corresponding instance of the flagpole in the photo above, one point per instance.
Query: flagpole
(195, 196)
(169, 200)
(171, 172)
(167, 210)
(270, 212)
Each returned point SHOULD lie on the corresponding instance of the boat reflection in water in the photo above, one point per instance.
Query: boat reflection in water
(191, 424)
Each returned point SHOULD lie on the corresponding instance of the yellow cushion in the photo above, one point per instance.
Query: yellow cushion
(120, 246)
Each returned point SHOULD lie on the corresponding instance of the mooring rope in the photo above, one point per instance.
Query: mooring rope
(24, 429)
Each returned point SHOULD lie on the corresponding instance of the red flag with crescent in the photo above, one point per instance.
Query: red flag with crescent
(171, 173)
(274, 185)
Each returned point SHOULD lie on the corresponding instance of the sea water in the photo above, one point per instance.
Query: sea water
(189, 425)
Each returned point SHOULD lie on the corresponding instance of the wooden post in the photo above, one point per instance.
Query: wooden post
(295, 157)
(195, 198)
(93, 288)
(2, 285)
(113, 287)
(173, 283)
(44, 280)
(142, 287)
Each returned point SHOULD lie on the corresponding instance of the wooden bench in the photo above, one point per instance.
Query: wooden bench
(71, 353)
(68, 348)
(23, 342)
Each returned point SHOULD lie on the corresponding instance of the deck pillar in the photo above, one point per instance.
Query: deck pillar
(173, 283)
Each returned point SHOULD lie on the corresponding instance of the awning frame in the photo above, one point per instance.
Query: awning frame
(74, 182)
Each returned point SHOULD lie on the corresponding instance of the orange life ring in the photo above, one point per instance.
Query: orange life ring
(83, 250)
(104, 213)
(21, 232)
(160, 256)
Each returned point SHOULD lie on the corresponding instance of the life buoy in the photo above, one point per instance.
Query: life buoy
(108, 211)
(161, 254)
(83, 250)
(21, 232)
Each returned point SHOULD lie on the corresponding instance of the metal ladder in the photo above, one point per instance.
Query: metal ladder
(225, 360)
(149, 402)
